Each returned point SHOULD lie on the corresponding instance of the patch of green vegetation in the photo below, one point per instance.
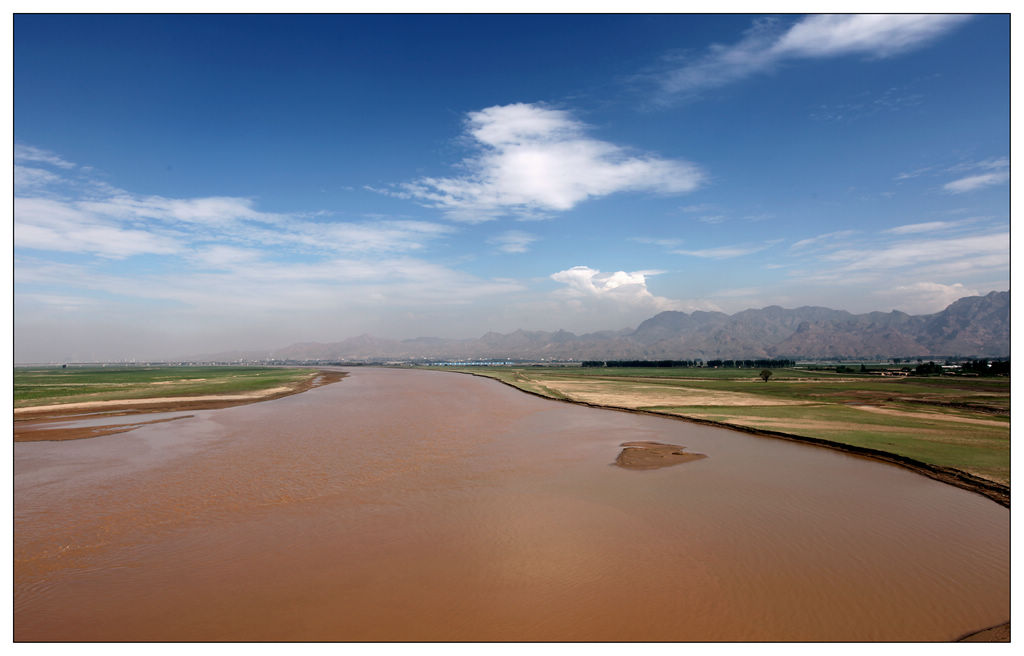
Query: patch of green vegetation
(953, 422)
(977, 448)
(45, 386)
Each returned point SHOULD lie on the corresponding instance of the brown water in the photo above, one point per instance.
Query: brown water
(415, 505)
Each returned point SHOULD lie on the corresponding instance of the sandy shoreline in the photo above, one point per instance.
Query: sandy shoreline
(995, 491)
(30, 422)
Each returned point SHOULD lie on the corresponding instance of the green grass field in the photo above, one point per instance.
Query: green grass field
(956, 422)
(50, 385)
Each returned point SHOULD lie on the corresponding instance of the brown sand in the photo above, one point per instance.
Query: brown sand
(654, 455)
(29, 423)
(644, 395)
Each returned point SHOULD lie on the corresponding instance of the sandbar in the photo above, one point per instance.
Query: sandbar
(653, 455)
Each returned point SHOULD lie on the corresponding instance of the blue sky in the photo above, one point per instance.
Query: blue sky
(189, 184)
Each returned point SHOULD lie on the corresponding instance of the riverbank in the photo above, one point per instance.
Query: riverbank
(992, 490)
(493, 516)
(33, 424)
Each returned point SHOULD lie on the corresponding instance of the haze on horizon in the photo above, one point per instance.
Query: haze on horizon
(189, 184)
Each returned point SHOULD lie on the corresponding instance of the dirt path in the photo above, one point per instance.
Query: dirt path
(930, 415)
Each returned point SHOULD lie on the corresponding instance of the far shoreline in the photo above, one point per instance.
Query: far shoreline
(28, 420)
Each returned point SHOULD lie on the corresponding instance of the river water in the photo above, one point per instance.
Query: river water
(418, 506)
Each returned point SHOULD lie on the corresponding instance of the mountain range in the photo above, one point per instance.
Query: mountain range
(974, 326)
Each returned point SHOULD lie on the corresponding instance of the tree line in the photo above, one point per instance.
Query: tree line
(712, 364)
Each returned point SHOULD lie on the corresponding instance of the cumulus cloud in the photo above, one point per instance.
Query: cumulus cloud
(620, 287)
(766, 45)
(533, 160)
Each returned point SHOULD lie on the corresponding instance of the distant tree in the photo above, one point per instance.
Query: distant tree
(766, 374)
(928, 369)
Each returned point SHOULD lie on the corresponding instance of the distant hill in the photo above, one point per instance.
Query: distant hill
(976, 326)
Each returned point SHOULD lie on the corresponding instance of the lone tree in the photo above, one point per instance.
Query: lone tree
(765, 374)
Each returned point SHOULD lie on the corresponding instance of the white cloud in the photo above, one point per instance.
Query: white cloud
(534, 160)
(23, 153)
(51, 214)
(927, 226)
(47, 224)
(666, 242)
(513, 241)
(926, 297)
(823, 239)
(874, 35)
(236, 281)
(620, 287)
(58, 302)
(210, 210)
(725, 252)
(992, 163)
(765, 46)
(974, 182)
(30, 176)
(915, 173)
(986, 250)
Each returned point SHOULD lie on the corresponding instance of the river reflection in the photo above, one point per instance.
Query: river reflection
(416, 505)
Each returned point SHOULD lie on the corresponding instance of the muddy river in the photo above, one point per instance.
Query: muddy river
(417, 505)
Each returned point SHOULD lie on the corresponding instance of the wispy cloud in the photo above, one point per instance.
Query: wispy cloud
(45, 224)
(26, 177)
(513, 241)
(221, 256)
(992, 163)
(534, 160)
(725, 252)
(926, 297)
(51, 214)
(928, 226)
(890, 100)
(982, 250)
(669, 242)
(827, 238)
(24, 153)
(907, 175)
(975, 182)
(767, 44)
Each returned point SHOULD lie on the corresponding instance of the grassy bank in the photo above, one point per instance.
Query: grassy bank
(958, 423)
(40, 386)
